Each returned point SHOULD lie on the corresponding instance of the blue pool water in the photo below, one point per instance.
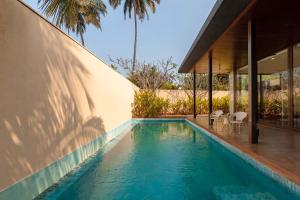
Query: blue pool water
(167, 160)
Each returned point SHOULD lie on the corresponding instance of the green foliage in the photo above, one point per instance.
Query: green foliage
(177, 107)
(242, 104)
(138, 7)
(221, 103)
(202, 106)
(182, 106)
(74, 14)
(273, 107)
(147, 104)
(185, 107)
(140, 11)
(169, 86)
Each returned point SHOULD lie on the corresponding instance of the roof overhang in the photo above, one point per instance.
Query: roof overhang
(225, 33)
(220, 18)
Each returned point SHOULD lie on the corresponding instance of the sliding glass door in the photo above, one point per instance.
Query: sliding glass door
(242, 90)
(296, 83)
(273, 89)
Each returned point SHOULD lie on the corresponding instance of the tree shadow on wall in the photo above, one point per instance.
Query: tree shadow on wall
(47, 109)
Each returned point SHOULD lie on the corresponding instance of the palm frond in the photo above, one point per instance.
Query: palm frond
(74, 14)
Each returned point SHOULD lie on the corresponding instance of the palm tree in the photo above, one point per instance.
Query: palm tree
(74, 14)
(139, 8)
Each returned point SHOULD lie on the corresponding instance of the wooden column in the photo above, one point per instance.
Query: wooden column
(261, 99)
(232, 91)
(234, 87)
(194, 94)
(290, 86)
(209, 87)
(252, 83)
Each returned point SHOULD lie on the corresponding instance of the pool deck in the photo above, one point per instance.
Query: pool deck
(277, 149)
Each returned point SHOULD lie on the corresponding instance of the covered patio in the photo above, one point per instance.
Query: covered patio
(256, 42)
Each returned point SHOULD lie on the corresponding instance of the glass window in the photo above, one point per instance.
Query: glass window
(296, 89)
(242, 89)
(273, 88)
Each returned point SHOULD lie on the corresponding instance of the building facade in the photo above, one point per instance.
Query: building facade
(257, 42)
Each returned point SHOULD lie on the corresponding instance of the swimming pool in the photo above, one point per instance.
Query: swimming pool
(167, 160)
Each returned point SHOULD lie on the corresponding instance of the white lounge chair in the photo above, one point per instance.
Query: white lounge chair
(216, 115)
(238, 118)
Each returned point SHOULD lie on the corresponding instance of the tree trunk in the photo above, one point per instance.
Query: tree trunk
(135, 40)
(81, 37)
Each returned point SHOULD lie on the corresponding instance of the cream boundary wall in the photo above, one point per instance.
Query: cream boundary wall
(55, 95)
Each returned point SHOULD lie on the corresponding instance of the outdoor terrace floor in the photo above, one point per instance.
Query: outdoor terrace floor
(278, 149)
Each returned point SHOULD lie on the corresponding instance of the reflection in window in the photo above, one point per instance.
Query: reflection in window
(273, 88)
(242, 90)
(296, 88)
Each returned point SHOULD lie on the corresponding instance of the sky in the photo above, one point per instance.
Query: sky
(169, 32)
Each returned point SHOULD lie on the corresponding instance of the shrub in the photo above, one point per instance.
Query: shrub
(182, 107)
(202, 105)
(273, 107)
(242, 104)
(221, 104)
(177, 107)
(186, 106)
(147, 104)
